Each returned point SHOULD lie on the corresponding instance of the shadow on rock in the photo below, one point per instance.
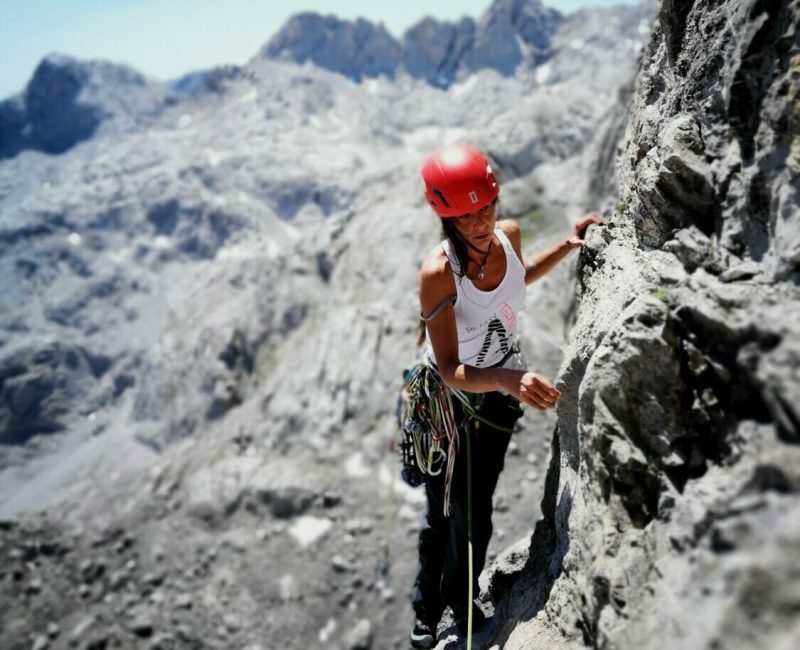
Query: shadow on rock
(521, 595)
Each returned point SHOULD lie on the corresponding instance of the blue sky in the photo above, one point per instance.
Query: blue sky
(167, 38)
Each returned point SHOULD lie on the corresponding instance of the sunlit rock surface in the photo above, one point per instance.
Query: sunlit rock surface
(671, 504)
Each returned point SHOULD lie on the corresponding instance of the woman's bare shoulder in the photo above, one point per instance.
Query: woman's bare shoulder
(435, 265)
(510, 228)
(435, 280)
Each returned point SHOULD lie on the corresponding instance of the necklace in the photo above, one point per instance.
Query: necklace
(482, 265)
(481, 268)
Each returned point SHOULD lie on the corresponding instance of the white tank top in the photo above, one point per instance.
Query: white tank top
(486, 320)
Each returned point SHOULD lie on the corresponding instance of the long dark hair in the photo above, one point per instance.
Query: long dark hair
(458, 244)
(459, 247)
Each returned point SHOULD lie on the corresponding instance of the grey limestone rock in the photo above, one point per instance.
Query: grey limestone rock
(41, 385)
(510, 32)
(195, 84)
(434, 50)
(671, 501)
(360, 637)
(355, 49)
(67, 100)
(245, 252)
(51, 117)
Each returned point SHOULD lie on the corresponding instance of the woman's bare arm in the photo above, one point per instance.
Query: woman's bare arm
(543, 263)
(436, 284)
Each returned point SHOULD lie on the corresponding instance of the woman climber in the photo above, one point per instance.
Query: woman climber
(471, 288)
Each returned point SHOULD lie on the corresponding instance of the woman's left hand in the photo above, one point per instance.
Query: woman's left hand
(578, 230)
(585, 221)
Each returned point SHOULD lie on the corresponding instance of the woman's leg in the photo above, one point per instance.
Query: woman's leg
(488, 454)
(426, 597)
(489, 448)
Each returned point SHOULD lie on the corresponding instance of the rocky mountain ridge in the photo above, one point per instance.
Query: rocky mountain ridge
(509, 33)
(67, 101)
(671, 504)
(207, 311)
(206, 315)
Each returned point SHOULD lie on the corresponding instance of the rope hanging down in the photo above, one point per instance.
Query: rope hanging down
(470, 569)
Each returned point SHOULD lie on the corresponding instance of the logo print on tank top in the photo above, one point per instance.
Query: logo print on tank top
(495, 327)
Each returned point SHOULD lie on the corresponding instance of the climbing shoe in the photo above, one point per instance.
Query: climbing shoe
(423, 635)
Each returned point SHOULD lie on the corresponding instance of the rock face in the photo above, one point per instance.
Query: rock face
(196, 246)
(355, 49)
(67, 100)
(205, 321)
(510, 33)
(247, 320)
(671, 505)
(51, 118)
(40, 386)
(434, 50)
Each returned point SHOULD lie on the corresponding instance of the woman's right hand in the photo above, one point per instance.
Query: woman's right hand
(535, 390)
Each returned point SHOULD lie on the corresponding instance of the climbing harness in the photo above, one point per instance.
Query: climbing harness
(427, 419)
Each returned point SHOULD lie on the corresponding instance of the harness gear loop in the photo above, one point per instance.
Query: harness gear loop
(427, 421)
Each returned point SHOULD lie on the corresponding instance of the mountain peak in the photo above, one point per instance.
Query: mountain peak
(355, 49)
(510, 32)
(65, 102)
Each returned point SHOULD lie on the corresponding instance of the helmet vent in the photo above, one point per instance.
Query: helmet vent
(441, 197)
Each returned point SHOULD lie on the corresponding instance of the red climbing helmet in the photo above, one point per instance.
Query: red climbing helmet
(459, 180)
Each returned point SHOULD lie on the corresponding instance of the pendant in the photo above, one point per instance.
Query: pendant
(481, 273)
